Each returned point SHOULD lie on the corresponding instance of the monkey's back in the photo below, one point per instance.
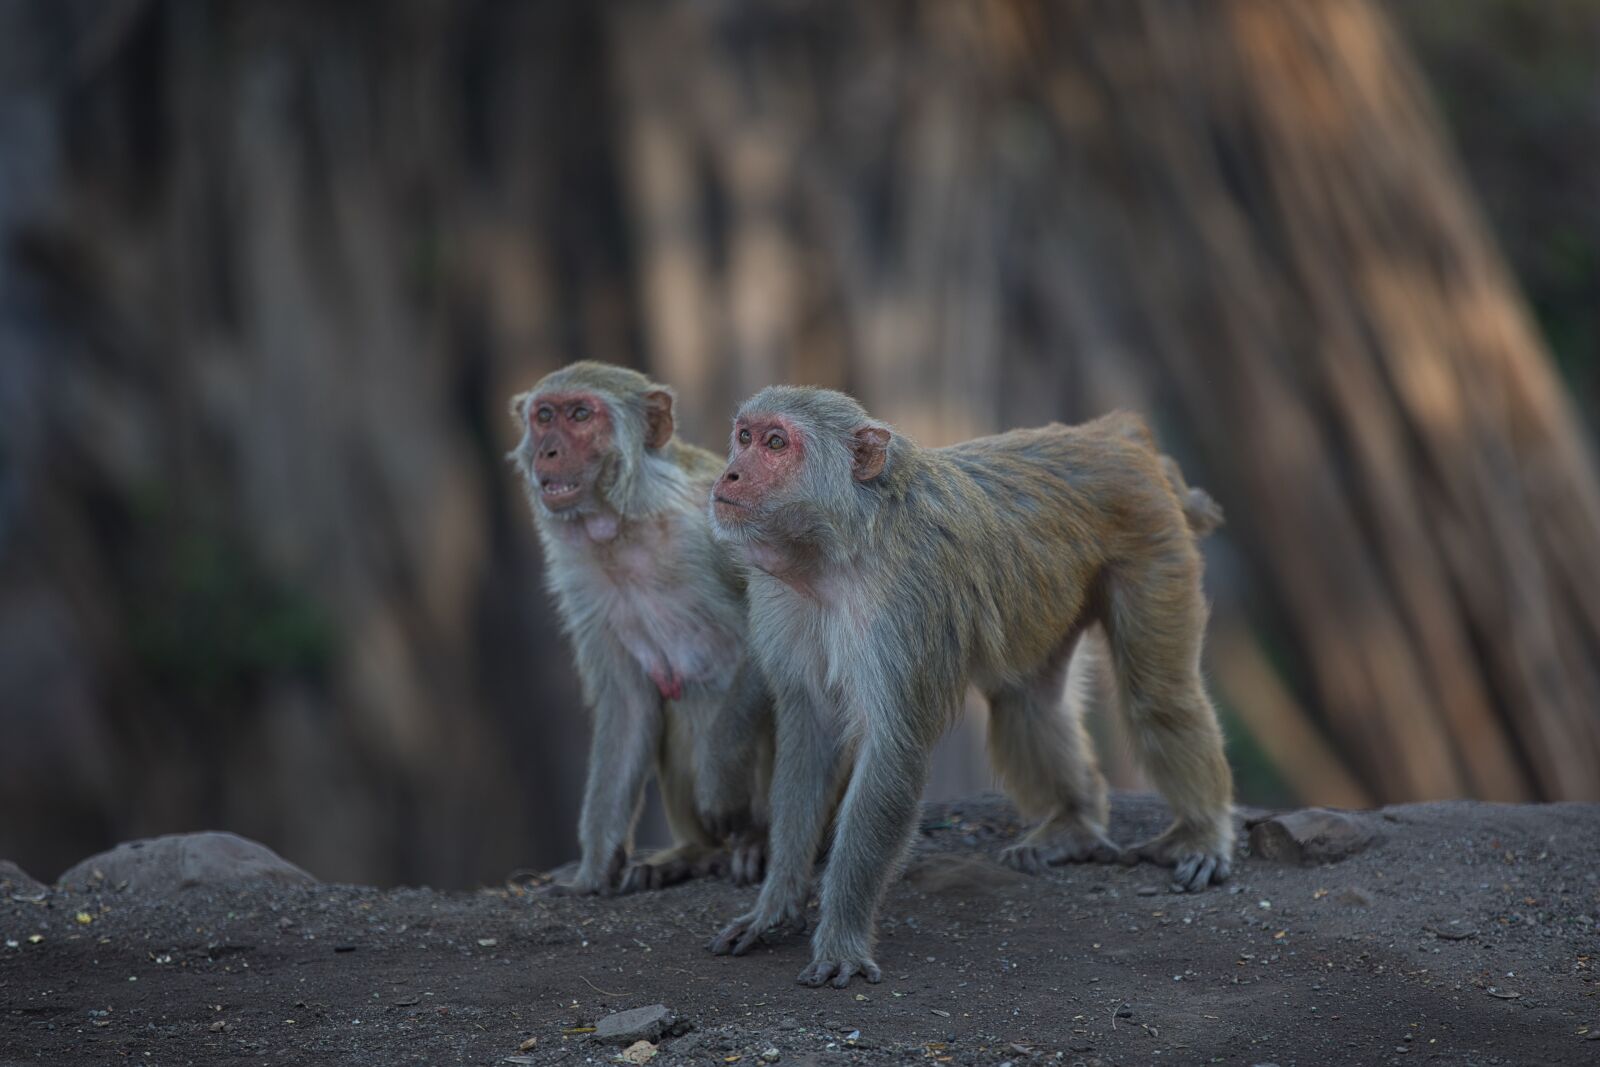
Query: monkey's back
(1018, 530)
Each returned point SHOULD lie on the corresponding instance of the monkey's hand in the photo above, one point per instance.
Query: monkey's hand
(837, 957)
(593, 879)
(739, 936)
(838, 972)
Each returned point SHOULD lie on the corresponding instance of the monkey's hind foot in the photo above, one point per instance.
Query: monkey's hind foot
(1055, 843)
(838, 973)
(745, 861)
(668, 868)
(1198, 857)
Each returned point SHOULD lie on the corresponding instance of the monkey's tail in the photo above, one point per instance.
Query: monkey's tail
(1200, 509)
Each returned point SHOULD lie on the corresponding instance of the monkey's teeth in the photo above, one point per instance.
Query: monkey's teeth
(558, 488)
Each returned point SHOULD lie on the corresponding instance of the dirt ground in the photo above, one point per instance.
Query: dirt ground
(1467, 935)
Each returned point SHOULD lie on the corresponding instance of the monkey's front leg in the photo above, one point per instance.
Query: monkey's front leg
(627, 731)
(802, 782)
(875, 826)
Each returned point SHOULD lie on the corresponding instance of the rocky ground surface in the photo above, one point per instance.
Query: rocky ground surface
(1456, 933)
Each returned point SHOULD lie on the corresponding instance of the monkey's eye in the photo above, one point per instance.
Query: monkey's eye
(544, 415)
(775, 441)
(580, 413)
(744, 437)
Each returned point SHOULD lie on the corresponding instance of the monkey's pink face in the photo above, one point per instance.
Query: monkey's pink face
(768, 452)
(570, 436)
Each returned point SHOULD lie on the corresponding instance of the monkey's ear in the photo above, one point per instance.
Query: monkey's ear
(657, 418)
(519, 407)
(869, 452)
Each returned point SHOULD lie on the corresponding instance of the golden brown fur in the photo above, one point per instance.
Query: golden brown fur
(889, 577)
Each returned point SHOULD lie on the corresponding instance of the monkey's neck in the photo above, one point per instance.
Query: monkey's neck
(594, 528)
(800, 566)
(602, 529)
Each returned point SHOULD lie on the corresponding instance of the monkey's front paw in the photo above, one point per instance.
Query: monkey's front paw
(579, 887)
(741, 935)
(592, 879)
(838, 973)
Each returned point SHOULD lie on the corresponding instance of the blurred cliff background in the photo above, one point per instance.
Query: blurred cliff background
(269, 272)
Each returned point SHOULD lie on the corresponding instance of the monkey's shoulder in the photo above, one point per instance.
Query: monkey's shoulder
(699, 464)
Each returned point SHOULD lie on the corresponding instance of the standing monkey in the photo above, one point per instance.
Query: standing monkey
(886, 577)
(656, 613)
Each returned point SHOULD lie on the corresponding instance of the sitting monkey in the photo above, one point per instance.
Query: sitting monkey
(888, 577)
(656, 613)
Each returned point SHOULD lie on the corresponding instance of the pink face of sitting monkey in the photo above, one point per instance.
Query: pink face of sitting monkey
(572, 447)
(569, 433)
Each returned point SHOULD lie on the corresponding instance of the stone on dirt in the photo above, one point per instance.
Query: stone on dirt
(1311, 835)
(161, 865)
(18, 884)
(635, 1024)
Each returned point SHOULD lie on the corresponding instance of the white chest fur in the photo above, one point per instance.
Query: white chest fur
(650, 589)
(819, 634)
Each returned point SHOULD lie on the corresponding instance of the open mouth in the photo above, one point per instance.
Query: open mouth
(554, 492)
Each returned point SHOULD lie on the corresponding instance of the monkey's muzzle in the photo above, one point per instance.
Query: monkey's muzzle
(558, 495)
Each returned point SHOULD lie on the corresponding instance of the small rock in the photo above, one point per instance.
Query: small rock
(638, 1052)
(771, 1055)
(1311, 835)
(636, 1024)
(1147, 891)
(162, 865)
(788, 1023)
(18, 884)
(1353, 898)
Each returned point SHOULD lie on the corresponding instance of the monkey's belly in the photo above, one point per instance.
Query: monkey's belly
(677, 652)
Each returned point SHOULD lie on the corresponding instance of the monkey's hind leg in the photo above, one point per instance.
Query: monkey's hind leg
(1154, 626)
(1045, 760)
(693, 854)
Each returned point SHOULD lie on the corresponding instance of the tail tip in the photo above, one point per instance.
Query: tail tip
(1202, 511)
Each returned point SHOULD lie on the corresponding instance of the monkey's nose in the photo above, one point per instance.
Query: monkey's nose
(550, 454)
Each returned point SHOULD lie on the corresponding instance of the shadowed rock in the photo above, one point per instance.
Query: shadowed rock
(636, 1024)
(18, 884)
(1311, 835)
(181, 861)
